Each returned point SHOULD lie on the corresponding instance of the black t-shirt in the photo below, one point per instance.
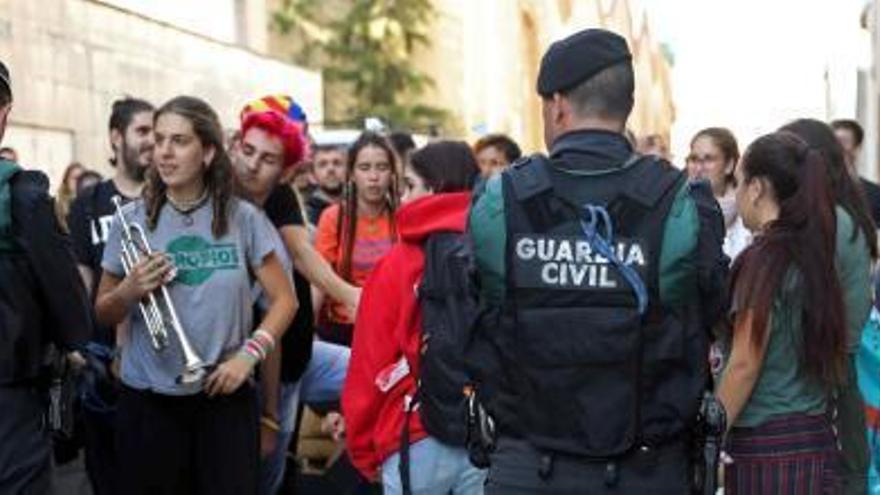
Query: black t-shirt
(283, 210)
(872, 194)
(315, 205)
(89, 222)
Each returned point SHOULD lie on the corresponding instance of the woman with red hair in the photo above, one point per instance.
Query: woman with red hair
(270, 145)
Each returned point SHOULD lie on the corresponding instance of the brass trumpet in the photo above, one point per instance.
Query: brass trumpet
(156, 308)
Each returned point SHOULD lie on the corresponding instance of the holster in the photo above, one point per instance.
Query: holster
(60, 387)
(708, 437)
(481, 434)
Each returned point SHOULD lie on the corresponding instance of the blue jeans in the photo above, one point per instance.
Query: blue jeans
(321, 382)
(435, 469)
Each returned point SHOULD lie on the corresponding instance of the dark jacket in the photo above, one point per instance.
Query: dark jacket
(692, 267)
(42, 298)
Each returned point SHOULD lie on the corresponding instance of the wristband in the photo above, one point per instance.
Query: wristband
(247, 356)
(258, 346)
(265, 338)
(255, 349)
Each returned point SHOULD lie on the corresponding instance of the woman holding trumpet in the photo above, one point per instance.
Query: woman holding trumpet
(188, 412)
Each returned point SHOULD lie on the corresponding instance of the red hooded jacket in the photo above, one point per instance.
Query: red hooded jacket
(389, 327)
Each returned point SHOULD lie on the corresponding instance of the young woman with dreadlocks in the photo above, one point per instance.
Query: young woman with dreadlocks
(355, 234)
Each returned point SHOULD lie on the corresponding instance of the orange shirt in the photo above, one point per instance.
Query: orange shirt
(372, 241)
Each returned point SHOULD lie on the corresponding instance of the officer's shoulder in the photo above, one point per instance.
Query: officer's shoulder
(700, 191)
(528, 175)
(652, 178)
(526, 160)
(657, 165)
(30, 183)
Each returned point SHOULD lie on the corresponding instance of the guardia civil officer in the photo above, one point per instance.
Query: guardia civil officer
(42, 301)
(603, 272)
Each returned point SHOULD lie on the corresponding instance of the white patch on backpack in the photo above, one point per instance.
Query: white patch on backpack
(572, 263)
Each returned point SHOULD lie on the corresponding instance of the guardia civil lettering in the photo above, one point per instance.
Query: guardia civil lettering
(573, 262)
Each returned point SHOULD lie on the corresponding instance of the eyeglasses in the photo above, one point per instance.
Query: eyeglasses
(700, 159)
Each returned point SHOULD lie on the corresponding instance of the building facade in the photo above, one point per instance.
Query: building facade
(485, 57)
(70, 59)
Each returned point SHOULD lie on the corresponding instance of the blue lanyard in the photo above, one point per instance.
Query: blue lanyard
(601, 242)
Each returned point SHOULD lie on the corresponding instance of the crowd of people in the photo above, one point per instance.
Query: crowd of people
(466, 318)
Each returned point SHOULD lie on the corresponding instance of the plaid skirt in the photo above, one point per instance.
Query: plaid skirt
(795, 454)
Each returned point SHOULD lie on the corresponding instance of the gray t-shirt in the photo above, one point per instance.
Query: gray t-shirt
(211, 293)
(258, 295)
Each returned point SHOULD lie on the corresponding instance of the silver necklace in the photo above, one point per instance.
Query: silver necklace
(187, 207)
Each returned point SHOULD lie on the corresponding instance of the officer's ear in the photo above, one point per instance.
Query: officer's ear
(559, 109)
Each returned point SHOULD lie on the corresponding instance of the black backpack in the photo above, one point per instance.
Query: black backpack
(448, 299)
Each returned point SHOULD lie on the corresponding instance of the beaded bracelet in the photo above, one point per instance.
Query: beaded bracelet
(265, 338)
(258, 346)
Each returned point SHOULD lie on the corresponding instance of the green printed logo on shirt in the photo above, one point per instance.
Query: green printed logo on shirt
(197, 259)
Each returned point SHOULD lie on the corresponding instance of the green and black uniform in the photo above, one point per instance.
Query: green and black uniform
(571, 364)
(42, 301)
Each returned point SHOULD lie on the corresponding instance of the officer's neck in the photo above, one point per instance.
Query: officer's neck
(595, 124)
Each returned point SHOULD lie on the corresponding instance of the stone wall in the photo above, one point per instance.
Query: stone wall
(70, 59)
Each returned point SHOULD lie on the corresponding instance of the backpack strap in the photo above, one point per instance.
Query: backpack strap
(409, 405)
(652, 183)
(8, 170)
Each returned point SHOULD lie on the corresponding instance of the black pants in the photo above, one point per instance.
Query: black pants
(102, 463)
(850, 425)
(193, 444)
(518, 469)
(24, 442)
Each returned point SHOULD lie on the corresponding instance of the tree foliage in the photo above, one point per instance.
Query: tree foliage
(366, 47)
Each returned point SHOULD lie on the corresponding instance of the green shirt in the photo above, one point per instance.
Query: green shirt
(488, 230)
(853, 260)
(784, 386)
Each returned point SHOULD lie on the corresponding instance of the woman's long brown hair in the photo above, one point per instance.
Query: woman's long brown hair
(802, 238)
(218, 176)
(346, 226)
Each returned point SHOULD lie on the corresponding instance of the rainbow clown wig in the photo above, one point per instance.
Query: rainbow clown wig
(281, 117)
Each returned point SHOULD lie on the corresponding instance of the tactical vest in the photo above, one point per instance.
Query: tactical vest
(7, 171)
(598, 374)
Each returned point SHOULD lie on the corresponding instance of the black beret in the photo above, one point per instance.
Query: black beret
(573, 60)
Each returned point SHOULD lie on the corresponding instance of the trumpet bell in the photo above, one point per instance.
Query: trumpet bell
(193, 375)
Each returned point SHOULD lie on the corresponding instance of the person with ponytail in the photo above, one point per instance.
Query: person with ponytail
(788, 350)
(196, 435)
(356, 233)
(855, 251)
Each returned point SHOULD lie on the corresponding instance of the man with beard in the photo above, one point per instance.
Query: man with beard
(329, 170)
(131, 137)
(850, 135)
